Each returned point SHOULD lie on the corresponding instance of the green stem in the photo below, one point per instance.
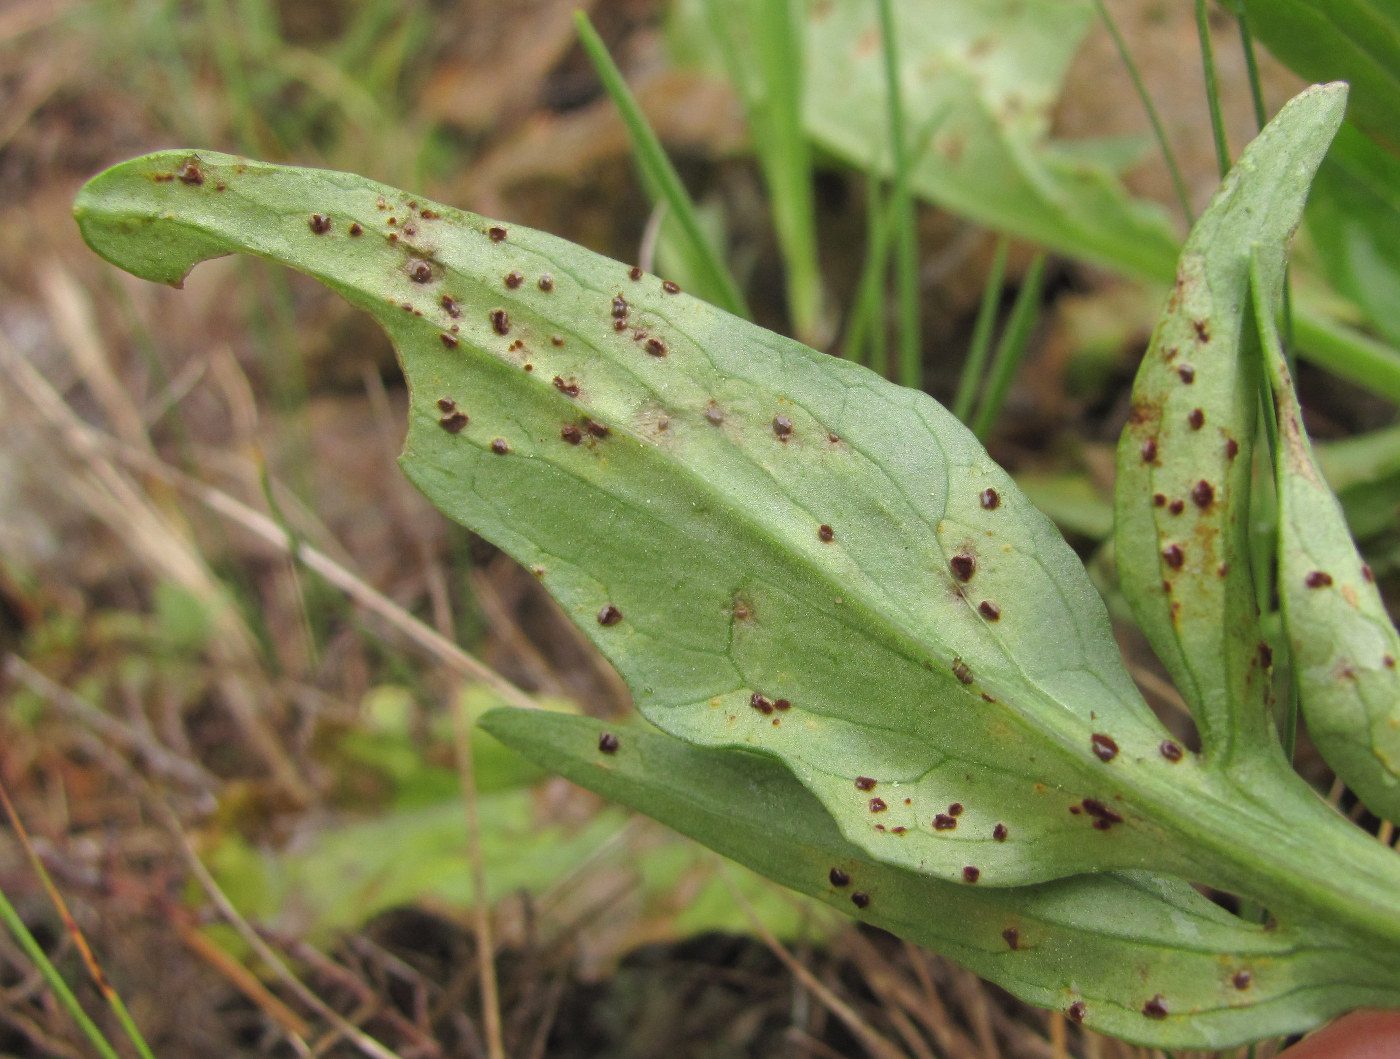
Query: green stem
(1217, 121)
(981, 345)
(906, 231)
(1167, 155)
(1011, 349)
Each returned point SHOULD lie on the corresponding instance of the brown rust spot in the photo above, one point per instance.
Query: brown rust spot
(609, 615)
(319, 224)
(1104, 746)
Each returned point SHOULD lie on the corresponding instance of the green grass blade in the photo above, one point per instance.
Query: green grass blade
(1217, 119)
(719, 286)
(906, 232)
(980, 347)
(1348, 353)
(1011, 349)
(864, 341)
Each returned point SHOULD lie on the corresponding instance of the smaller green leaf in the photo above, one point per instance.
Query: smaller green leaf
(1343, 643)
(1136, 955)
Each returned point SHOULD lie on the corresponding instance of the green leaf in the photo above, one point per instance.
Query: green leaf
(1184, 459)
(1354, 220)
(980, 79)
(1109, 943)
(1344, 647)
(1357, 41)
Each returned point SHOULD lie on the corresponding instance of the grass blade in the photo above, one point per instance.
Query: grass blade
(981, 344)
(902, 206)
(1012, 347)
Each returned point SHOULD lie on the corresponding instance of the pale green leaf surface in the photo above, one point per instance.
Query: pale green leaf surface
(1184, 459)
(1110, 942)
(1344, 647)
(981, 77)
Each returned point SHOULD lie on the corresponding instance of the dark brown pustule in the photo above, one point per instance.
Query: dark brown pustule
(1202, 494)
(449, 305)
(989, 499)
(619, 307)
(1170, 750)
(190, 173)
(607, 743)
(500, 320)
(420, 272)
(319, 224)
(838, 877)
(546, 283)
(569, 389)
(963, 566)
(1196, 418)
(1318, 579)
(1077, 1011)
(448, 341)
(782, 427)
(513, 280)
(1156, 1008)
(446, 404)
(500, 446)
(944, 822)
(1149, 450)
(860, 900)
(1187, 373)
(572, 434)
(1000, 832)
(1202, 329)
(670, 288)
(634, 273)
(782, 705)
(865, 783)
(1012, 937)
(557, 340)
(989, 610)
(453, 422)
(1159, 500)
(427, 214)
(826, 534)
(1101, 812)
(955, 809)
(1242, 979)
(1232, 448)
(1173, 556)
(715, 415)
(497, 235)
(609, 615)
(1104, 746)
(1176, 507)
(877, 805)
(760, 703)
(656, 347)
(597, 429)
(971, 874)
(961, 671)
(356, 229)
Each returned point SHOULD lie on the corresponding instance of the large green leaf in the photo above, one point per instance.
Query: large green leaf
(1357, 41)
(779, 551)
(1344, 647)
(1184, 460)
(1100, 948)
(980, 80)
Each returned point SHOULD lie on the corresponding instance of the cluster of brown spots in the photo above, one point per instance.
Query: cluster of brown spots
(1173, 556)
(860, 900)
(597, 429)
(448, 341)
(319, 224)
(1318, 579)
(572, 434)
(513, 280)
(453, 419)
(1149, 450)
(421, 272)
(1170, 750)
(356, 229)
(1000, 832)
(944, 822)
(1187, 373)
(607, 743)
(714, 414)
(497, 234)
(569, 389)
(1104, 746)
(1242, 979)
(782, 427)
(519, 343)
(656, 347)
(1104, 817)
(609, 615)
(865, 783)
(1196, 419)
(961, 671)
(1156, 1008)
(670, 288)
(500, 446)
(838, 877)
(546, 283)
(1012, 937)
(500, 321)
(990, 499)
(1077, 1011)
(971, 874)
(877, 805)
(634, 273)
(189, 173)
(1202, 494)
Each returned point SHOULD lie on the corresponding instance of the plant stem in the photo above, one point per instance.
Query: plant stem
(1011, 349)
(981, 344)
